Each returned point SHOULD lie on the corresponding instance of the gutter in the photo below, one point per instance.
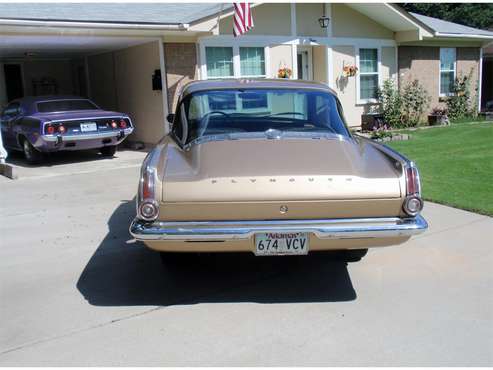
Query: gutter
(134, 26)
(460, 35)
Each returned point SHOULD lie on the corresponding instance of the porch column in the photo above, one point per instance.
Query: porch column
(329, 65)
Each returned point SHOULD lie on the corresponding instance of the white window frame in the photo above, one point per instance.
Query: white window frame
(358, 75)
(445, 70)
(236, 59)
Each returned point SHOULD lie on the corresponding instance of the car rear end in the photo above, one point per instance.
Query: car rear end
(83, 132)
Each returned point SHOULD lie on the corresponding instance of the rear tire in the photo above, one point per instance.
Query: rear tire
(355, 255)
(108, 151)
(32, 155)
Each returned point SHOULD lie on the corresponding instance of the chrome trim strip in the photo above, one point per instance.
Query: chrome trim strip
(84, 119)
(98, 135)
(349, 228)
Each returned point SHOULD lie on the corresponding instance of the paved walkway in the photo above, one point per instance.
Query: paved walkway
(75, 290)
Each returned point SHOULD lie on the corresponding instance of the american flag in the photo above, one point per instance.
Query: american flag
(243, 19)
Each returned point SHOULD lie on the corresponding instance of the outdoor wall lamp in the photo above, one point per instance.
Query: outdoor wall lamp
(324, 20)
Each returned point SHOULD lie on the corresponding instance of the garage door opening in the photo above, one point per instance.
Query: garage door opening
(115, 72)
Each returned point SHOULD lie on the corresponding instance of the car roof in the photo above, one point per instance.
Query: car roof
(264, 83)
(29, 102)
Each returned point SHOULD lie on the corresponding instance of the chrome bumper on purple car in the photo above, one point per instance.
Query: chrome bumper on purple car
(353, 228)
(90, 136)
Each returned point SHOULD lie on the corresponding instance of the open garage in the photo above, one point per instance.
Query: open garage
(115, 72)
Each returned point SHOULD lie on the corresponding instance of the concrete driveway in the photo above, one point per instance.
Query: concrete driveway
(75, 290)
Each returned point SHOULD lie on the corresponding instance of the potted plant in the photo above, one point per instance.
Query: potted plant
(349, 71)
(438, 116)
(284, 72)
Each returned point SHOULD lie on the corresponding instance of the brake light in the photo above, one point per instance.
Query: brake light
(113, 124)
(50, 130)
(147, 184)
(123, 123)
(61, 129)
(412, 181)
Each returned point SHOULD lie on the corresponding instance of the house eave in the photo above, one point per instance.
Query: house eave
(97, 25)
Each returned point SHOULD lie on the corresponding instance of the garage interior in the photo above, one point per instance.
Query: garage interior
(115, 72)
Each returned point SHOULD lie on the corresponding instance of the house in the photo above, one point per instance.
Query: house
(117, 54)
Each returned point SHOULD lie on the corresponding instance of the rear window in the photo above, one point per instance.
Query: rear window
(65, 105)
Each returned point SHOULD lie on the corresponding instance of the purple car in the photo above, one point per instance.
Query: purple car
(36, 125)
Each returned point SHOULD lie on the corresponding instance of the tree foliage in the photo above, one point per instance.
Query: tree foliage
(477, 15)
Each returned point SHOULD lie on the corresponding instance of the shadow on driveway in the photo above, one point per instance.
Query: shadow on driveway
(122, 273)
(59, 158)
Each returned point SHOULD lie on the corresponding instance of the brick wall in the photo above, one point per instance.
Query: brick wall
(423, 63)
(181, 67)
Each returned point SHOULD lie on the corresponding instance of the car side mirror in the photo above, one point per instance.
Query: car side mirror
(170, 118)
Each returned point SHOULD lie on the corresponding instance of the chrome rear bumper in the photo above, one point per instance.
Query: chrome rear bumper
(353, 228)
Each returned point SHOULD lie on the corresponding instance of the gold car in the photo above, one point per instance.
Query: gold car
(269, 166)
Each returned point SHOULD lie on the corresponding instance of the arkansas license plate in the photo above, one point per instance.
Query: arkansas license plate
(89, 126)
(269, 244)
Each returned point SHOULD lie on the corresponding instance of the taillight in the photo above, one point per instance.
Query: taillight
(50, 130)
(147, 206)
(413, 204)
(62, 129)
(147, 184)
(123, 123)
(412, 181)
(113, 124)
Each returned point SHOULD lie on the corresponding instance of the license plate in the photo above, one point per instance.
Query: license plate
(90, 126)
(271, 244)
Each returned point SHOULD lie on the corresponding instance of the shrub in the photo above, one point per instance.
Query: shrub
(459, 104)
(415, 100)
(403, 108)
(391, 104)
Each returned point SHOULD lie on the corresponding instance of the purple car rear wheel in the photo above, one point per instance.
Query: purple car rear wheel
(32, 155)
(108, 151)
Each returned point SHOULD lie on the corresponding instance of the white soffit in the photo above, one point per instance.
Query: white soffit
(47, 46)
(386, 16)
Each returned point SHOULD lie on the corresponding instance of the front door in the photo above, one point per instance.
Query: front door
(302, 65)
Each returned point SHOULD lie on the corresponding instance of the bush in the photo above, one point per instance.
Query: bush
(391, 103)
(459, 104)
(415, 100)
(403, 108)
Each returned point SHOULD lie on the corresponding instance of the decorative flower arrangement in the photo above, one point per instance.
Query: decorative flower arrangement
(284, 72)
(349, 71)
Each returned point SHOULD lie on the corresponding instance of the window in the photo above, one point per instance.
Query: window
(65, 105)
(368, 74)
(447, 70)
(12, 110)
(252, 62)
(219, 62)
(293, 112)
(235, 61)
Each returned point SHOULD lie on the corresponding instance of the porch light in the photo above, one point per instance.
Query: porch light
(324, 20)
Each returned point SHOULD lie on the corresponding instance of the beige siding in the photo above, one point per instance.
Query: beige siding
(347, 22)
(389, 63)
(121, 81)
(319, 55)
(134, 68)
(307, 19)
(346, 86)
(280, 56)
(269, 19)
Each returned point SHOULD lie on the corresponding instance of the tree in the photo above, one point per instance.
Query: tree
(478, 15)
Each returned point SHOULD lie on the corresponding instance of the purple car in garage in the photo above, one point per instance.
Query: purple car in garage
(36, 125)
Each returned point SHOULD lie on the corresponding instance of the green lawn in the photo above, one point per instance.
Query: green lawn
(455, 164)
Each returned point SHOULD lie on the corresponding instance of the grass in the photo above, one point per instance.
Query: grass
(455, 164)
